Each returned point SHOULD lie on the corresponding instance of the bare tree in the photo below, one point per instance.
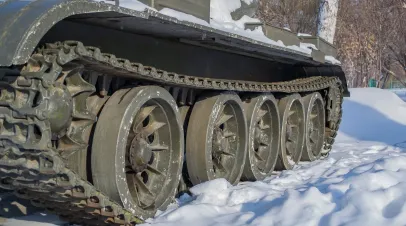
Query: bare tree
(327, 19)
(367, 36)
(299, 16)
(397, 48)
(370, 35)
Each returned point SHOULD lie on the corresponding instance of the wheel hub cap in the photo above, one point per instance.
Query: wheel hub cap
(221, 143)
(59, 108)
(140, 154)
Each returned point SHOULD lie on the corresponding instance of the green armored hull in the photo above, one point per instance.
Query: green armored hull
(107, 113)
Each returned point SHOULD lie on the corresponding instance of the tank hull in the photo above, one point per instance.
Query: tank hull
(54, 93)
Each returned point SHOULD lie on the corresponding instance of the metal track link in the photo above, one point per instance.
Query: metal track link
(336, 95)
(30, 163)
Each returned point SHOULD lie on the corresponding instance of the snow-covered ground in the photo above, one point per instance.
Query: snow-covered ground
(362, 182)
(400, 92)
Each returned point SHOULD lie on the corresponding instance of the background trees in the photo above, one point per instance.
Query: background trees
(370, 35)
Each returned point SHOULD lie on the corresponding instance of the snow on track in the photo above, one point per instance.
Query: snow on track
(362, 182)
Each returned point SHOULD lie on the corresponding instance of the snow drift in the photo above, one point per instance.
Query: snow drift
(374, 115)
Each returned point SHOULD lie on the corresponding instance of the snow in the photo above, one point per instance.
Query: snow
(183, 16)
(131, 4)
(304, 35)
(384, 121)
(400, 92)
(220, 14)
(362, 182)
(248, 1)
(220, 10)
(37, 219)
(308, 45)
(332, 60)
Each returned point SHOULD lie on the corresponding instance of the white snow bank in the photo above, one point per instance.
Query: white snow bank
(360, 184)
(38, 219)
(400, 92)
(375, 115)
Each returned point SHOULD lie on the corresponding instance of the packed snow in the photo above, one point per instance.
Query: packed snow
(362, 182)
(332, 60)
(303, 35)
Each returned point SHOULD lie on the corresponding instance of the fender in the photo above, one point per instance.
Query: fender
(24, 23)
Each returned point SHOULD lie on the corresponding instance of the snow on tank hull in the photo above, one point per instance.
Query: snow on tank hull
(91, 133)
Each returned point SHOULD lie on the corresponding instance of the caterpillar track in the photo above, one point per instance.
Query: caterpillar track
(41, 142)
(92, 134)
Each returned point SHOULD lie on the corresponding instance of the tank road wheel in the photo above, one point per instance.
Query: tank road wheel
(315, 126)
(292, 131)
(216, 139)
(264, 137)
(138, 147)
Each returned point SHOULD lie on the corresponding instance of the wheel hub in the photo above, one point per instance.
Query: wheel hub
(60, 108)
(216, 149)
(293, 131)
(261, 137)
(315, 121)
(140, 154)
(221, 142)
(147, 152)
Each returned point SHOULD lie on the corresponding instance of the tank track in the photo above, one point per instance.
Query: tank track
(32, 166)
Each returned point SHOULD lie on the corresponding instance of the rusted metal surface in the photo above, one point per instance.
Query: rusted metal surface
(30, 161)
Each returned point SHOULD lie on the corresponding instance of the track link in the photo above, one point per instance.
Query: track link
(30, 163)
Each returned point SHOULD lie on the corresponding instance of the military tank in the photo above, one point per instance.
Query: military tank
(107, 112)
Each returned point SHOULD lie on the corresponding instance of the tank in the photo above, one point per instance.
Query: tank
(108, 113)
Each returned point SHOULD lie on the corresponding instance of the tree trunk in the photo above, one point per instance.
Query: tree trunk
(327, 19)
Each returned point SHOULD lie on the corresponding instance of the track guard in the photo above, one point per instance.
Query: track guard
(24, 23)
